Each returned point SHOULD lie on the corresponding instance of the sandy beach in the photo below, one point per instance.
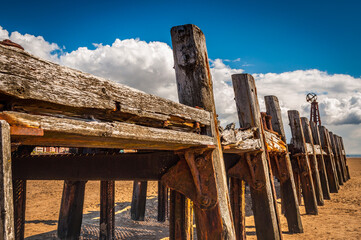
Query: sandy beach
(339, 218)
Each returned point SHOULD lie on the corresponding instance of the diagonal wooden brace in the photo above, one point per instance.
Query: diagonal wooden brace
(194, 177)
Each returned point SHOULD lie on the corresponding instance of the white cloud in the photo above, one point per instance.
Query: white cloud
(3, 34)
(32, 44)
(149, 67)
(142, 65)
(339, 95)
(37, 45)
(223, 91)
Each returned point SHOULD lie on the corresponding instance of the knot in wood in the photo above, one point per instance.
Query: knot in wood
(20, 90)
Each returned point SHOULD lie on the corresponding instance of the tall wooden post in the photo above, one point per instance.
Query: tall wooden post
(300, 153)
(342, 160)
(337, 159)
(313, 161)
(329, 160)
(6, 186)
(344, 155)
(71, 210)
(181, 217)
(238, 204)
(321, 162)
(288, 188)
(249, 115)
(194, 84)
(162, 202)
(107, 214)
(139, 199)
(19, 198)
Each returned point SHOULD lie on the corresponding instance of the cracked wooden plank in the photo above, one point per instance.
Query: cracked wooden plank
(78, 133)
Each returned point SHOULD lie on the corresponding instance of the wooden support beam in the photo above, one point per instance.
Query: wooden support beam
(299, 152)
(341, 156)
(344, 154)
(7, 230)
(162, 202)
(107, 213)
(313, 161)
(337, 159)
(79, 133)
(71, 210)
(139, 199)
(194, 84)
(19, 196)
(100, 166)
(288, 188)
(263, 202)
(329, 160)
(19, 189)
(321, 162)
(180, 217)
(237, 191)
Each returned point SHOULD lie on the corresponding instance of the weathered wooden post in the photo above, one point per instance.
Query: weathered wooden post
(329, 160)
(288, 188)
(321, 162)
(312, 160)
(341, 156)
(19, 198)
(344, 155)
(237, 191)
(162, 202)
(194, 84)
(249, 115)
(107, 213)
(71, 210)
(139, 199)
(337, 159)
(6, 188)
(181, 217)
(300, 153)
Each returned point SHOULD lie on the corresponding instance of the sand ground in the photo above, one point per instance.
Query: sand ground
(340, 218)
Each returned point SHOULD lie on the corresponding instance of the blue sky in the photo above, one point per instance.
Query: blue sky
(290, 47)
(268, 36)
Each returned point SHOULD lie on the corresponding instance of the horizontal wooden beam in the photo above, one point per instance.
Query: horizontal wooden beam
(145, 166)
(244, 140)
(33, 84)
(79, 133)
(80, 167)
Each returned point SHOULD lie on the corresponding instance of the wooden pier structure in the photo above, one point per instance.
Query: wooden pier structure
(202, 169)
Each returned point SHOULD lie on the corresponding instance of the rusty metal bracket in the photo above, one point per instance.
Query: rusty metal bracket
(246, 169)
(194, 177)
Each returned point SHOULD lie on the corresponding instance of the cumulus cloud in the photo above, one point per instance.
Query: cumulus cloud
(148, 66)
(3, 34)
(338, 94)
(223, 91)
(34, 45)
(142, 65)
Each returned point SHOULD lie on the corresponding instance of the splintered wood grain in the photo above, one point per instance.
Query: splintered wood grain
(69, 132)
(24, 76)
(6, 189)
